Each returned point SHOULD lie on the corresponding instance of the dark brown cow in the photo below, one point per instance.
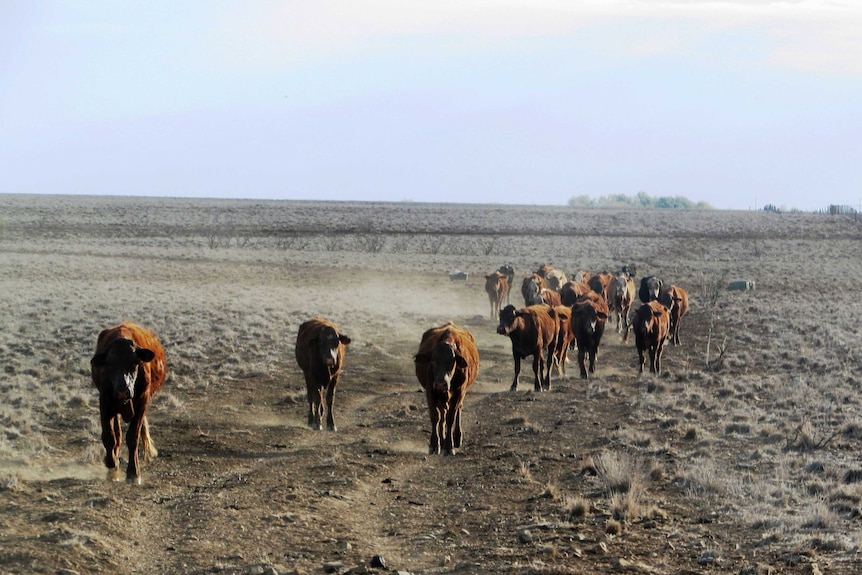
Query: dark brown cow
(571, 290)
(320, 347)
(651, 325)
(531, 289)
(621, 294)
(128, 368)
(565, 337)
(446, 366)
(533, 331)
(676, 300)
(589, 315)
(599, 283)
(497, 288)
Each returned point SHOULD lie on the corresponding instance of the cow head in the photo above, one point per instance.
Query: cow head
(650, 289)
(508, 318)
(445, 359)
(668, 299)
(588, 317)
(328, 342)
(648, 315)
(122, 362)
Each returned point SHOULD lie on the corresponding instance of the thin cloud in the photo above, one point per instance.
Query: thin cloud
(815, 36)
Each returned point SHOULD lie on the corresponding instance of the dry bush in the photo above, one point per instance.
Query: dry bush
(575, 507)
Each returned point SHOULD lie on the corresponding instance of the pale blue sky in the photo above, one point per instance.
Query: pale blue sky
(509, 101)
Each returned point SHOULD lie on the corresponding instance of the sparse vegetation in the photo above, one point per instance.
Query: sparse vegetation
(750, 434)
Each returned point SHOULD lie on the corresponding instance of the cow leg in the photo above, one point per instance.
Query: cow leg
(517, 357)
(593, 352)
(112, 435)
(330, 400)
(538, 368)
(315, 405)
(658, 353)
(455, 429)
(641, 360)
(582, 361)
(133, 470)
(436, 420)
(546, 384)
(652, 357)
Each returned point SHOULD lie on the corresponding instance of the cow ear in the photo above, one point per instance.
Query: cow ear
(422, 357)
(99, 359)
(144, 355)
(602, 315)
(459, 359)
(343, 338)
(657, 312)
(552, 312)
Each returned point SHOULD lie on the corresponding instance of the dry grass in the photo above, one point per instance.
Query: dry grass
(755, 420)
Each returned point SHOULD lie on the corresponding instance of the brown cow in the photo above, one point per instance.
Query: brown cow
(621, 294)
(550, 297)
(320, 350)
(651, 325)
(675, 299)
(128, 368)
(589, 315)
(571, 290)
(565, 337)
(446, 366)
(497, 287)
(533, 331)
(599, 283)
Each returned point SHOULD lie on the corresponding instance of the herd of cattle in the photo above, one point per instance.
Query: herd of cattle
(128, 366)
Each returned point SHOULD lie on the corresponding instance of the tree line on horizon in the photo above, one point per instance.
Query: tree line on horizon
(640, 200)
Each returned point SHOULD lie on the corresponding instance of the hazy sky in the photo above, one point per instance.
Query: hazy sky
(734, 103)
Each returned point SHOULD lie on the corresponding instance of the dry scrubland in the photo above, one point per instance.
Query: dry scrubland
(742, 457)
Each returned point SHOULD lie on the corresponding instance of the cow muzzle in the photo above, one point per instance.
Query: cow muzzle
(441, 386)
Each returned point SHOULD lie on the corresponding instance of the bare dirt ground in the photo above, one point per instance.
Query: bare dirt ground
(743, 456)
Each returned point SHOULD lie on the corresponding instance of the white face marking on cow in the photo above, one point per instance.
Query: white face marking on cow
(130, 379)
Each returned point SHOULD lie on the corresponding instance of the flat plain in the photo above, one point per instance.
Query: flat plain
(742, 456)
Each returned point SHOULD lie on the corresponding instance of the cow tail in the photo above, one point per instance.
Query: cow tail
(147, 446)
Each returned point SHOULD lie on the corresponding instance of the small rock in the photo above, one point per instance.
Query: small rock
(67, 572)
(332, 566)
(378, 562)
(524, 536)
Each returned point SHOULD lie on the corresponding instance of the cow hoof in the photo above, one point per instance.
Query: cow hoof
(135, 480)
(331, 428)
(113, 474)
